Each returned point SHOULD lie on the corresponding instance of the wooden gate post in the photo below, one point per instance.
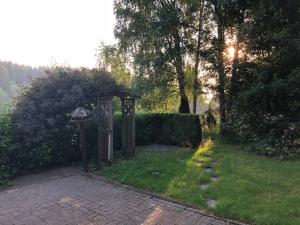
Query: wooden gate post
(128, 126)
(105, 129)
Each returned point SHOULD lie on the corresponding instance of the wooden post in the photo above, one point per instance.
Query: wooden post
(83, 146)
(105, 129)
(80, 116)
(128, 126)
(133, 126)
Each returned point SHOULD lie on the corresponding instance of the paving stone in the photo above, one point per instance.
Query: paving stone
(73, 199)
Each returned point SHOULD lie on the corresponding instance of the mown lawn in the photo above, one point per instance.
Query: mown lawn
(250, 188)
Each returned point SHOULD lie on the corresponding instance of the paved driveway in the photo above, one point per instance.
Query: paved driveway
(63, 197)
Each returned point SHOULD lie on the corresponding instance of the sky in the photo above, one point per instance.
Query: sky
(47, 32)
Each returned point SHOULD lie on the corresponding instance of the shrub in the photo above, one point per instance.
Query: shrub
(267, 134)
(208, 119)
(279, 141)
(6, 147)
(41, 127)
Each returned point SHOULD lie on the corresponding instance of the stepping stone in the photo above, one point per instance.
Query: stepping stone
(208, 169)
(211, 203)
(204, 186)
(198, 164)
(214, 163)
(215, 178)
(155, 173)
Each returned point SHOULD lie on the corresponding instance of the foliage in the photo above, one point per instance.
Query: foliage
(157, 94)
(6, 146)
(153, 32)
(260, 78)
(248, 188)
(4, 98)
(163, 128)
(154, 94)
(273, 136)
(42, 131)
(266, 105)
(113, 60)
(208, 118)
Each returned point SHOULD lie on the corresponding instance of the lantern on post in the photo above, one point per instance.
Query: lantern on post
(81, 116)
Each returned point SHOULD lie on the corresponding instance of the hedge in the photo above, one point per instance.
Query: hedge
(162, 128)
(5, 147)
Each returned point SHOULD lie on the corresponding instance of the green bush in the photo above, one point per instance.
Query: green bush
(6, 147)
(270, 135)
(42, 131)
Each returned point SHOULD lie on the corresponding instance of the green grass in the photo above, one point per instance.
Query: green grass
(251, 188)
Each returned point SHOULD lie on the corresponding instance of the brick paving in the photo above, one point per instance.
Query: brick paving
(71, 198)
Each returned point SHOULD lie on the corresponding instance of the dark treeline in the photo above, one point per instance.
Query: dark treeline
(12, 75)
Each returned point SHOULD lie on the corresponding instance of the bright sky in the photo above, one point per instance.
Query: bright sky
(43, 32)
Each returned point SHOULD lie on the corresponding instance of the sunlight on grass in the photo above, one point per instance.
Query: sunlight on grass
(248, 186)
(186, 185)
(203, 153)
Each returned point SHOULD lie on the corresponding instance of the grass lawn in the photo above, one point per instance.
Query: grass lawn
(250, 188)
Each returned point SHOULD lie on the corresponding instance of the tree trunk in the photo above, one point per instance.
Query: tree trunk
(221, 73)
(196, 82)
(184, 101)
(179, 64)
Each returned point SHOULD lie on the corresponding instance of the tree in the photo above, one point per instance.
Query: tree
(265, 110)
(112, 59)
(154, 33)
(197, 15)
(196, 82)
(218, 7)
(237, 14)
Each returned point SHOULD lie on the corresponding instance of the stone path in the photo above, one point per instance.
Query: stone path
(65, 197)
(210, 169)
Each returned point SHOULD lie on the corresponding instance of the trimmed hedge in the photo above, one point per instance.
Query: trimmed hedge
(162, 128)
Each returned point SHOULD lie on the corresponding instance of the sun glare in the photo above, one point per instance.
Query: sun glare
(230, 52)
